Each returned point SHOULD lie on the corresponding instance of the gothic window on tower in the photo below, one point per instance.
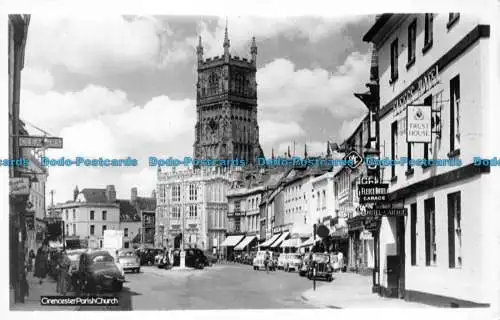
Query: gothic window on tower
(213, 83)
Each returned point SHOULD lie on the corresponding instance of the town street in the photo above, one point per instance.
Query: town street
(218, 287)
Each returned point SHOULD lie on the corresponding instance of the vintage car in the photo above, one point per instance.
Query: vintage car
(293, 262)
(320, 267)
(281, 260)
(129, 260)
(193, 258)
(258, 261)
(147, 256)
(98, 270)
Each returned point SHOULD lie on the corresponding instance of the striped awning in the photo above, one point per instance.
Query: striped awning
(309, 242)
(231, 241)
(291, 243)
(270, 241)
(243, 244)
(280, 239)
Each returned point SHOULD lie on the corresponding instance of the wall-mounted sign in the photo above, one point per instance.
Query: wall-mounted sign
(354, 158)
(373, 192)
(418, 124)
(389, 212)
(19, 186)
(416, 90)
(40, 142)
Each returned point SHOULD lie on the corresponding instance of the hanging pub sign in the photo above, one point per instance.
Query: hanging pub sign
(418, 124)
(373, 192)
(389, 212)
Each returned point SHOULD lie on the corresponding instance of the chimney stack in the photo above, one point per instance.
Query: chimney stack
(110, 193)
(133, 194)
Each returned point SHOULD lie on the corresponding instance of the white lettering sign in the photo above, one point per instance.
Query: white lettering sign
(419, 124)
(19, 186)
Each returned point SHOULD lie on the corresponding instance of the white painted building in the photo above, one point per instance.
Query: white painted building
(441, 250)
(193, 200)
(92, 212)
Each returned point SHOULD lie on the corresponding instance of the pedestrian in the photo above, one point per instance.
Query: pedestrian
(340, 257)
(31, 260)
(63, 278)
(41, 263)
(267, 261)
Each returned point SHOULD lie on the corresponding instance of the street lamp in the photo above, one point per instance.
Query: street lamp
(182, 262)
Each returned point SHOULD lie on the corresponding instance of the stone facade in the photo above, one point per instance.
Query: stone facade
(226, 107)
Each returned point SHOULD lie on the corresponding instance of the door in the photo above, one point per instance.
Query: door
(402, 255)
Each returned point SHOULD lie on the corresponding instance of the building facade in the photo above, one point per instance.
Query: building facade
(226, 106)
(438, 252)
(192, 207)
(90, 213)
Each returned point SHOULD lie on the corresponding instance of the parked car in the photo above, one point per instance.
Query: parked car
(202, 257)
(129, 260)
(98, 270)
(281, 260)
(193, 260)
(147, 256)
(320, 267)
(293, 262)
(258, 262)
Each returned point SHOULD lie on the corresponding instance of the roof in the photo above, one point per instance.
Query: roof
(145, 204)
(94, 195)
(128, 212)
(379, 23)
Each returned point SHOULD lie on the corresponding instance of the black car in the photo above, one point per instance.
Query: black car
(98, 270)
(320, 267)
(193, 259)
(147, 256)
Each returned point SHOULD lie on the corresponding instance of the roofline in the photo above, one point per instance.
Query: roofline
(370, 34)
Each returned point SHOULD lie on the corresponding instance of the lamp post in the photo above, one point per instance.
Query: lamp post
(182, 261)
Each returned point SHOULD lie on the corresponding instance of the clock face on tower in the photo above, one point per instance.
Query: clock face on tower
(213, 125)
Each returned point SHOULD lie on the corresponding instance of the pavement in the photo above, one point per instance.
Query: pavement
(350, 290)
(36, 290)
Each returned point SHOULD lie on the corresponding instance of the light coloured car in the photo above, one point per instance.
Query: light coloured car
(258, 261)
(129, 260)
(293, 262)
(282, 260)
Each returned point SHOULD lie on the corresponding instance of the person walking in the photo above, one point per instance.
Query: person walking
(267, 261)
(340, 257)
(63, 277)
(41, 263)
(31, 260)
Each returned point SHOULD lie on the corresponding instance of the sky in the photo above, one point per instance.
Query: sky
(119, 86)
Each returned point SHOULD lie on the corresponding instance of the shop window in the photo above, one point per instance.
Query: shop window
(413, 231)
(430, 232)
(454, 230)
(454, 115)
(394, 60)
(428, 32)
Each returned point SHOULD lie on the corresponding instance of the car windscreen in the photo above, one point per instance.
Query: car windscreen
(321, 258)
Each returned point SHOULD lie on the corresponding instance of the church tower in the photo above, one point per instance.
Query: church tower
(226, 106)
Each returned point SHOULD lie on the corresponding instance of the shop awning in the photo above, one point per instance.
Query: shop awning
(270, 241)
(309, 242)
(243, 244)
(280, 239)
(231, 241)
(291, 243)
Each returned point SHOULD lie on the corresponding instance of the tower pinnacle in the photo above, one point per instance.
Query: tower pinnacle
(226, 41)
(253, 50)
(199, 50)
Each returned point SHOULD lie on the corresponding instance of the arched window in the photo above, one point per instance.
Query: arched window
(213, 83)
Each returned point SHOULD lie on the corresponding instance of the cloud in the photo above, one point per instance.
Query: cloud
(271, 131)
(283, 89)
(93, 45)
(241, 29)
(348, 126)
(37, 80)
(53, 110)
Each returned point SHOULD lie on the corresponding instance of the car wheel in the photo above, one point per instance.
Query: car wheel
(149, 262)
(330, 279)
(118, 286)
